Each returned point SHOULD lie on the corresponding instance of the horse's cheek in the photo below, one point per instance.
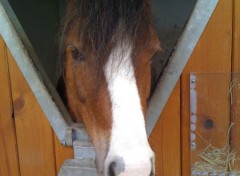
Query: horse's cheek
(74, 105)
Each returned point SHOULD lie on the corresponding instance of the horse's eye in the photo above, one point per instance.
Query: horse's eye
(76, 55)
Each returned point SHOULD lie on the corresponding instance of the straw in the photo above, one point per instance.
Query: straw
(216, 161)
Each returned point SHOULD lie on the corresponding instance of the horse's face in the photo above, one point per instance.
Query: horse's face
(108, 46)
(111, 99)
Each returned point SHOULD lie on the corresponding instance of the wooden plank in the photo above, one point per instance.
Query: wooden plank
(235, 132)
(8, 152)
(212, 54)
(165, 138)
(62, 153)
(34, 133)
(236, 37)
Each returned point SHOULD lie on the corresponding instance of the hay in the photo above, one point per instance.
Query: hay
(216, 161)
(232, 84)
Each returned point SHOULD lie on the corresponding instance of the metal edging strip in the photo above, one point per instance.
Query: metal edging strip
(184, 48)
(29, 71)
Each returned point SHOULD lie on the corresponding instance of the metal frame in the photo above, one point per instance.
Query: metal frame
(184, 48)
(41, 86)
(45, 93)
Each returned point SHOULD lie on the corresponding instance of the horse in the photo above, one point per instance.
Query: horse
(107, 47)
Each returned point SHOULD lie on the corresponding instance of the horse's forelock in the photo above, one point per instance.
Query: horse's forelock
(101, 24)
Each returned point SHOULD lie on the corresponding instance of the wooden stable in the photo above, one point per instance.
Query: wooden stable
(28, 145)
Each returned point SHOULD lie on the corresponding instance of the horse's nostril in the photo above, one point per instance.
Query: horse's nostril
(111, 168)
(116, 167)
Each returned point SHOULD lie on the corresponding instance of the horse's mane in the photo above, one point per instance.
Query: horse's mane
(100, 24)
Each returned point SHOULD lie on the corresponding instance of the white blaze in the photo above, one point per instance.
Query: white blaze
(128, 136)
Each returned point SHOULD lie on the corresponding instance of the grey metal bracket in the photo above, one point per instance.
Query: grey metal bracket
(83, 149)
(76, 167)
(84, 162)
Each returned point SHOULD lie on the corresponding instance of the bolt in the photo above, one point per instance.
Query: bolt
(193, 145)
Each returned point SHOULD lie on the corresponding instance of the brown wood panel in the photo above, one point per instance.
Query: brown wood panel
(9, 165)
(236, 37)
(34, 133)
(165, 138)
(235, 133)
(212, 54)
(62, 153)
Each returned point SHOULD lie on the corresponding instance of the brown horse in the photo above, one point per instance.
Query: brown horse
(107, 46)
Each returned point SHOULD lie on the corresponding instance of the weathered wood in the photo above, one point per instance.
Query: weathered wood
(9, 165)
(212, 54)
(165, 138)
(34, 133)
(235, 132)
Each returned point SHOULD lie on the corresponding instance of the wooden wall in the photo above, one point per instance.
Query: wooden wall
(218, 50)
(28, 145)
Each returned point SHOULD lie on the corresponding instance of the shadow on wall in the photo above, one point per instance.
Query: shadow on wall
(170, 19)
(40, 21)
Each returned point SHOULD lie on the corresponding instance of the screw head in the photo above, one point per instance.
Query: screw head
(193, 145)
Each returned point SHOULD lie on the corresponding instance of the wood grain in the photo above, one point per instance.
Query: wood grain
(9, 165)
(212, 54)
(236, 37)
(165, 138)
(235, 132)
(34, 133)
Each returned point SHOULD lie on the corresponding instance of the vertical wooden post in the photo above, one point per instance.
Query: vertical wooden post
(236, 36)
(235, 131)
(9, 164)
